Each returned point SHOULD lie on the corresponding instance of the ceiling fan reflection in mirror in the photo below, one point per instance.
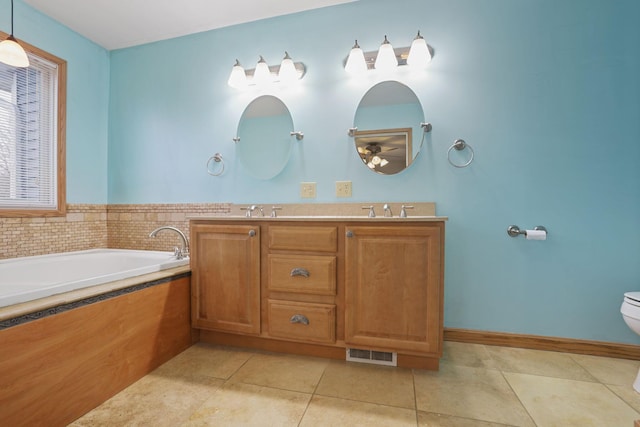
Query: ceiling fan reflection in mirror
(386, 151)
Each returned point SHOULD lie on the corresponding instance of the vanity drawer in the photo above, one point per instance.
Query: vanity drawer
(304, 238)
(302, 321)
(304, 274)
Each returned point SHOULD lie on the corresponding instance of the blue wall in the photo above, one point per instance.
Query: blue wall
(546, 92)
(87, 97)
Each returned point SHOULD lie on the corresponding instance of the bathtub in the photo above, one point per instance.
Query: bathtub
(30, 278)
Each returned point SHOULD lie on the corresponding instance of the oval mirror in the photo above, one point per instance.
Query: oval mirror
(264, 134)
(388, 133)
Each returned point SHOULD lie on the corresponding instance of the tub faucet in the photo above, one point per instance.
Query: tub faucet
(180, 253)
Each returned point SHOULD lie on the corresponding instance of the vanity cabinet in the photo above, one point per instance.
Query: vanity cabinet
(394, 288)
(225, 277)
(320, 287)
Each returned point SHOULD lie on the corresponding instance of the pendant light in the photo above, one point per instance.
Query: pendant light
(419, 55)
(356, 63)
(11, 53)
(386, 59)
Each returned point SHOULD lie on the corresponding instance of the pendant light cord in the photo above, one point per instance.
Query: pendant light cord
(11, 18)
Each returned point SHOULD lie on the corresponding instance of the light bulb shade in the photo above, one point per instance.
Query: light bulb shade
(287, 72)
(11, 53)
(262, 74)
(419, 55)
(237, 78)
(356, 63)
(386, 59)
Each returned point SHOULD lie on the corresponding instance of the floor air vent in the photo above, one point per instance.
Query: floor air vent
(370, 356)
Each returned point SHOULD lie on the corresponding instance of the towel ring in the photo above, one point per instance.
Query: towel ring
(218, 159)
(460, 144)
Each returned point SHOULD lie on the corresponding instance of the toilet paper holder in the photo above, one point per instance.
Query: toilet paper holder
(514, 230)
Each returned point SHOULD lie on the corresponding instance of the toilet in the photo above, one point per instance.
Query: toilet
(631, 314)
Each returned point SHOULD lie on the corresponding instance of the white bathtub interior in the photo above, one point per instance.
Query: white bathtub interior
(29, 278)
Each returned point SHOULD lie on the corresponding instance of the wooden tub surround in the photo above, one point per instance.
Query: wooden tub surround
(56, 368)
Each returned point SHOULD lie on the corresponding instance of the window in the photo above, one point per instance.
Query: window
(32, 137)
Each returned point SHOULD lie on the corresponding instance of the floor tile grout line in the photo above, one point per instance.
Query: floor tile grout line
(621, 398)
(571, 356)
(415, 395)
(313, 394)
(518, 397)
(502, 374)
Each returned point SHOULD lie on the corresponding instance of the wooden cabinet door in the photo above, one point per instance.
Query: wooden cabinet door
(394, 288)
(225, 268)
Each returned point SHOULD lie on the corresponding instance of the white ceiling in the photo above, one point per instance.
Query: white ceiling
(115, 24)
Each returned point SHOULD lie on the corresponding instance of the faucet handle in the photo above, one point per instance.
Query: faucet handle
(274, 210)
(372, 213)
(403, 212)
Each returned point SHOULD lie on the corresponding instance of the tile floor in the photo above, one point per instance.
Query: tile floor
(476, 385)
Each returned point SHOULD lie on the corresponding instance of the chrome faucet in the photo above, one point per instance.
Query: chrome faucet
(372, 213)
(252, 208)
(387, 210)
(403, 211)
(180, 253)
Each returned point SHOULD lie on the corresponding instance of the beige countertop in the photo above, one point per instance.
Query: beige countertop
(416, 212)
(20, 309)
(310, 218)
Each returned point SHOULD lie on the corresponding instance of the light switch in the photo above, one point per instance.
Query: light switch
(308, 190)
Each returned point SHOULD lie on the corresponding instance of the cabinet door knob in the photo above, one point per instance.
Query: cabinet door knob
(299, 271)
(252, 233)
(299, 318)
(349, 233)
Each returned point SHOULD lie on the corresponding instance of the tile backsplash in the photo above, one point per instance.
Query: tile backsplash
(99, 226)
(128, 226)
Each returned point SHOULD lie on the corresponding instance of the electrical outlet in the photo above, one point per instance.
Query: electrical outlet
(308, 190)
(343, 188)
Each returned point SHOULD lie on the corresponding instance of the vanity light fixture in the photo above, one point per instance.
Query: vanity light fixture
(355, 62)
(238, 78)
(262, 73)
(11, 53)
(287, 72)
(419, 54)
(387, 57)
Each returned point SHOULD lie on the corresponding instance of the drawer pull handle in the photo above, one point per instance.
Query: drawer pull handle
(299, 318)
(349, 233)
(252, 233)
(299, 271)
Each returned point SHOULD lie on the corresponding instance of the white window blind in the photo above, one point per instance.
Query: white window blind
(28, 135)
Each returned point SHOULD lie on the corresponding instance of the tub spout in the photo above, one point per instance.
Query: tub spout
(179, 252)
